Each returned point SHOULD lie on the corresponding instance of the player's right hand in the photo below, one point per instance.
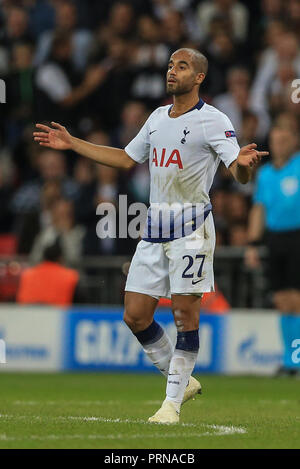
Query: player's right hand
(57, 137)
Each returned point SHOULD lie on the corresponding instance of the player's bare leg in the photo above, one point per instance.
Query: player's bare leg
(138, 315)
(186, 311)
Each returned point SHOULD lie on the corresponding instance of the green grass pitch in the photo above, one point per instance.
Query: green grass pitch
(110, 411)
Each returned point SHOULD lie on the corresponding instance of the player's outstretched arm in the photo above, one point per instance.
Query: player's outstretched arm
(58, 138)
(247, 159)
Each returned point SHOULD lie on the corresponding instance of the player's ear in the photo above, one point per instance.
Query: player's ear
(200, 78)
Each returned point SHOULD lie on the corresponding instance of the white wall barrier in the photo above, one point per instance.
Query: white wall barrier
(33, 338)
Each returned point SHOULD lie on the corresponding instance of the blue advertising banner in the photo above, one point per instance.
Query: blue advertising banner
(98, 339)
(290, 330)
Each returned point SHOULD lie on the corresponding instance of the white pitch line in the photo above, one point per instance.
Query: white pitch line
(81, 403)
(281, 401)
(226, 430)
(56, 403)
(4, 437)
(81, 419)
(218, 429)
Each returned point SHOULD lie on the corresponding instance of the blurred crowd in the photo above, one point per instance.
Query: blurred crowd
(98, 67)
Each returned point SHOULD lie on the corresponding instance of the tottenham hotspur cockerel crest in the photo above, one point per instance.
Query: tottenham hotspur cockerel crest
(185, 132)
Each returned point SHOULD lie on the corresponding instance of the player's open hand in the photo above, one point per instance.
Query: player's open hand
(57, 137)
(249, 156)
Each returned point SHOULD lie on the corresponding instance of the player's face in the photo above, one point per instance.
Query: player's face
(181, 76)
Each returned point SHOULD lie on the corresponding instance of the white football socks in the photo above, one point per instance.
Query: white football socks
(160, 353)
(180, 370)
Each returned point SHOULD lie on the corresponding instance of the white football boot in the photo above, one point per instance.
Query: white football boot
(166, 414)
(192, 389)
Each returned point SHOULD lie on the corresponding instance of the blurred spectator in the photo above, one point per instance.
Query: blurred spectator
(133, 117)
(66, 22)
(222, 54)
(41, 16)
(115, 89)
(62, 224)
(104, 188)
(120, 23)
(236, 208)
(49, 282)
(249, 130)
(236, 104)
(16, 27)
(276, 208)
(61, 88)
(39, 218)
(84, 175)
(293, 10)
(271, 9)
(238, 235)
(150, 60)
(174, 29)
(7, 176)
(233, 11)
(219, 200)
(20, 87)
(51, 166)
(278, 66)
(288, 120)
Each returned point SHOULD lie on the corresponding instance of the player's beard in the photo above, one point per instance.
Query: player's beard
(179, 89)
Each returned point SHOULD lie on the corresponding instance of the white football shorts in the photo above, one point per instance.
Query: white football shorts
(183, 266)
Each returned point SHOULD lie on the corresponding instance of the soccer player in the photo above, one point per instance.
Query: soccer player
(184, 144)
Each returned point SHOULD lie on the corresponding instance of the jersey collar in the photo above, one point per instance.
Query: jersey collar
(198, 106)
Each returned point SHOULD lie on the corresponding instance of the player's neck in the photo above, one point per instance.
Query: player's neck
(183, 103)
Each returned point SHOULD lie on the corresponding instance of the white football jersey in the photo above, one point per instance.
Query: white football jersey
(184, 154)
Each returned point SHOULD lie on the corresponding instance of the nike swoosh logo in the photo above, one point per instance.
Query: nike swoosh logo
(194, 283)
(152, 132)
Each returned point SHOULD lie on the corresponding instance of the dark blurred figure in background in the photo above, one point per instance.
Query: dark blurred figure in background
(61, 87)
(234, 12)
(66, 21)
(62, 223)
(50, 166)
(7, 176)
(39, 217)
(16, 27)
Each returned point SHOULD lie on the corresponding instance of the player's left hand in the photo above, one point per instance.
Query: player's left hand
(249, 156)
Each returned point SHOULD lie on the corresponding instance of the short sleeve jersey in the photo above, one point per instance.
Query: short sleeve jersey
(184, 153)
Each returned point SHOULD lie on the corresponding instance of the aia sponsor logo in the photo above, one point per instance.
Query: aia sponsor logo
(164, 160)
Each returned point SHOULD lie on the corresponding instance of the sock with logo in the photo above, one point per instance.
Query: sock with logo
(181, 367)
(157, 346)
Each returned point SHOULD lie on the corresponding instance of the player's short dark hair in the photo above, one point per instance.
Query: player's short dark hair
(199, 60)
